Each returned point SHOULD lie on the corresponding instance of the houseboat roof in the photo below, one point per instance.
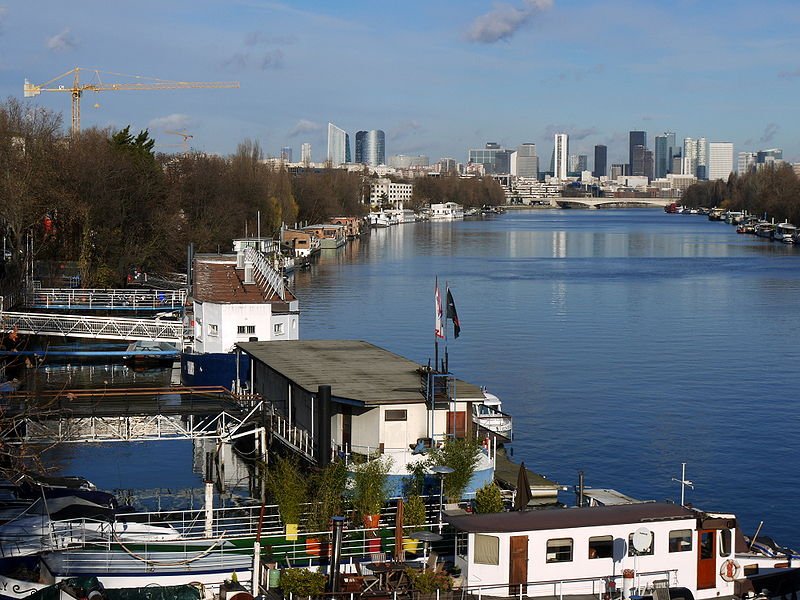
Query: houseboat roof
(357, 371)
(218, 280)
(570, 518)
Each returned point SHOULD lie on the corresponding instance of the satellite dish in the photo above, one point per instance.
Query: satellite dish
(642, 539)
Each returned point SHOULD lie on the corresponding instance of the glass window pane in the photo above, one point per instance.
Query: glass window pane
(601, 546)
(707, 544)
(559, 550)
(487, 549)
(680, 540)
(725, 542)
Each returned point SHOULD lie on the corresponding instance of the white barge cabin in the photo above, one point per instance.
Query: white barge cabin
(582, 551)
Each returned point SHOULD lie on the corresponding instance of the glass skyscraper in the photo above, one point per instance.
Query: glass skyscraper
(371, 147)
(665, 151)
(338, 146)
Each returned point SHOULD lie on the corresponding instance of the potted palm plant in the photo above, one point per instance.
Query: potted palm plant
(369, 490)
(328, 486)
(413, 518)
(289, 489)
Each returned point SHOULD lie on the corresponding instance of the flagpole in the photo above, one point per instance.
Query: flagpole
(446, 357)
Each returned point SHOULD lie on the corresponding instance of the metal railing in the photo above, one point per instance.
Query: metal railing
(110, 328)
(270, 276)
(297, 438)
(100, 299)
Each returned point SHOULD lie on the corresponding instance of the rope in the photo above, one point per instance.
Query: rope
(165, 563)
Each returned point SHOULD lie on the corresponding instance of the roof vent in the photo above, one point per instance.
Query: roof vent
(248, 272)
(240, 260)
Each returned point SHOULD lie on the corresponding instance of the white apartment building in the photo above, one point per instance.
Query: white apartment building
(720, 160)
(560, 155)
(384, 191)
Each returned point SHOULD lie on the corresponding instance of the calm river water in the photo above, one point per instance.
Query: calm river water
(623, 342)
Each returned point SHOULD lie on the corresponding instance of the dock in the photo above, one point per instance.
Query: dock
(506, 472)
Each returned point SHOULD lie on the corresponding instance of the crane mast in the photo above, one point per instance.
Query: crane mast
(97, 85)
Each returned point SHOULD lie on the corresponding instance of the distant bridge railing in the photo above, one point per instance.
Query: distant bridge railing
(83, 326)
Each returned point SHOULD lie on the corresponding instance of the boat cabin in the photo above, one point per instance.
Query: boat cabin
(580, 551)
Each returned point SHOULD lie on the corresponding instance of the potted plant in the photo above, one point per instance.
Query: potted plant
(461, 455)
(488, 499)
(289, 488)
(413, 518)
(302, 583)
(369, 490)
(328, 486)
(428, 581)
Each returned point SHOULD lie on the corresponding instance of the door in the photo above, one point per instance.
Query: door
(457, 423)
(518, 570)
(706, 559)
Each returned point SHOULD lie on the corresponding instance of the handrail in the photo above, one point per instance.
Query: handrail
(94, 327)
(272, 277)
(102, 299)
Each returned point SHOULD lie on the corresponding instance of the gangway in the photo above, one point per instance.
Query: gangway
(125, 299)
(129, 414)
(85, 326)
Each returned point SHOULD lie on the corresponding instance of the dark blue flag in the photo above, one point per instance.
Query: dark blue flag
(452, 314)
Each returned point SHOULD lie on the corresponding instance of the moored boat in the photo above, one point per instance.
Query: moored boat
(784, 233)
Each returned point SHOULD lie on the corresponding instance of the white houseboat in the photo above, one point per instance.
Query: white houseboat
(636, 549)
(448, 211)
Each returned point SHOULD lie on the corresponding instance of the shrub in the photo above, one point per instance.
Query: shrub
(462, 457)
(369, 486)
(414, 511)
(488, 499)
(288, 487)
(302, 582)
(428, 581)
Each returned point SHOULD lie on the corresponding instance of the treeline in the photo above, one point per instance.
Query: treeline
(467, 191)
(108, 202)
(773, 191)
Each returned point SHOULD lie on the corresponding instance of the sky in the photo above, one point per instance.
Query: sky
(438, 76)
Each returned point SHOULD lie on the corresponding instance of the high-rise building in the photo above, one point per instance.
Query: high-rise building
(447, 165)
(527, 161)
(600, 161)
(665, 150)
(370, 147)
(305, 153)
(617, 171)
(770, 156)
(560, 154)
(695, 157)
(583, 163)
(720, 160)
(746, 162)
(493, 158)
(635, 138)
(338, 146)
(404, 161)
(286, 154)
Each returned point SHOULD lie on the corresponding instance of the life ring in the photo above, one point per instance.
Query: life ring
(730, 570)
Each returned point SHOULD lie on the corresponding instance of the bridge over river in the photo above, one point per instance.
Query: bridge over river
(642, 202)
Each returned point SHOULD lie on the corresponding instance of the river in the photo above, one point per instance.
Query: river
(623, 342)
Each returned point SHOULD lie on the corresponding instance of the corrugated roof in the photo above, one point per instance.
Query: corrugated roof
(355, 370)
(555, 518)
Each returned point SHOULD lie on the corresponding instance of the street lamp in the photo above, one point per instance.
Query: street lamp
(441, 471)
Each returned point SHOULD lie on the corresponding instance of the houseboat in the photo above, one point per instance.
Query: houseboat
(448, 211)
(784, 232)
(330, 236)
(639, 549)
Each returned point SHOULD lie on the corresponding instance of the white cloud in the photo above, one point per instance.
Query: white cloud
(304, 126)
(170, 122)
(62, 42)
(504, 20)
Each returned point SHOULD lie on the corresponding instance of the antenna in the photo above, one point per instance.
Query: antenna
(684, 482)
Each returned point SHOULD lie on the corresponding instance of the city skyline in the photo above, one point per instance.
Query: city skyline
(434, 73)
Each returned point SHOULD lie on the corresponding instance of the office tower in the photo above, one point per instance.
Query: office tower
(720, 160)
(493, 158)
(639, 162)
(617, 171)
(600, 160)
(527, 161)
(665, 150)
(305, 153)
(746, 163)
(695, 157)
(447, 165)
(371, 147)
(583, 163)
(635, 138)
(771, 156)
(286, 154)
(560, 154)
(405, 161)
(338, 146)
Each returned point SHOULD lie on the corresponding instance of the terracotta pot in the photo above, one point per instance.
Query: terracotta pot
(314, 546)
(371, 521)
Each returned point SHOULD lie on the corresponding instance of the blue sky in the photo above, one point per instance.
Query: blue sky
(439, 77)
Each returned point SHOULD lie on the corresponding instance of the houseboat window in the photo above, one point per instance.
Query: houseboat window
(680, 540)
(277, 329)
(559, 550)
(462, 547)
(707, 544)
(724, 542)
(601, 546)
(245, 329)
(632, 551)
(395, 415)
(213, 329)
(487, 549)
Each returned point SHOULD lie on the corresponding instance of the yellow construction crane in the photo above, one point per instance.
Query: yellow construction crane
(97, 85)
(186, 138)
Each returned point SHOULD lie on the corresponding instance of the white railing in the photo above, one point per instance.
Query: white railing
(129, 299)
(271, 277)
(297, 438)
(109, 328)
(493, 420)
